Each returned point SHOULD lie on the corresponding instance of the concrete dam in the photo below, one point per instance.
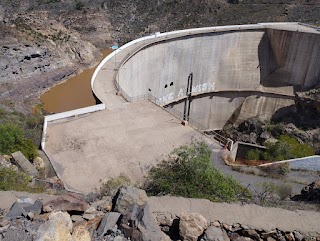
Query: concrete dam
(208, 76)
(246, 72)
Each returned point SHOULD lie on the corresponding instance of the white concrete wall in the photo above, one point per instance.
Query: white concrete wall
(297, 55)
(251, 58)
(218, 61)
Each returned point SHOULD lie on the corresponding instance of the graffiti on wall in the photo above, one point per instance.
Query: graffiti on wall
(200, 88)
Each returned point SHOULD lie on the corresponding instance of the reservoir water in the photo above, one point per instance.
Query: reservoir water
(72, 94)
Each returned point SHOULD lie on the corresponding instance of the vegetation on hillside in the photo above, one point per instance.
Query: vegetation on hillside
(11, 179)
(12, 139)
(284, 149)
(20, 132)
(188, 172)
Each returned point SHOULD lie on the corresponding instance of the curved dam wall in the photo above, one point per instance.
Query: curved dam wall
(235, 74)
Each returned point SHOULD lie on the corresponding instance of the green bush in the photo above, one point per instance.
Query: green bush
(13, 180)
(17, 181)
(31, 124)
(284, 149)
(189, 173)
(254, 154)
(12, 139)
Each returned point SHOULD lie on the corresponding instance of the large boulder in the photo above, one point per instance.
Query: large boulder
(128, 197)
(108, 222)
(137, 222)
(23, 206)
(57, 228)
(68, 202)
(191, 226)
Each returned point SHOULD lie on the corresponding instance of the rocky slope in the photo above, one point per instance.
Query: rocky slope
(131, 215)
(45, 41)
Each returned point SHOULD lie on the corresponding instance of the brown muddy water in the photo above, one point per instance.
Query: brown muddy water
(72, 94)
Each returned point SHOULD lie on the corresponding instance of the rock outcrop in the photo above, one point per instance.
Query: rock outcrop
(310, 193)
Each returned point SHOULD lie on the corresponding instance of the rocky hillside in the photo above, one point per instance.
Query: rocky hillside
(45, 41)
(131, 215)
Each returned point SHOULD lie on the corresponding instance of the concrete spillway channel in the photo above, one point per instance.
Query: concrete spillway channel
(210, 76)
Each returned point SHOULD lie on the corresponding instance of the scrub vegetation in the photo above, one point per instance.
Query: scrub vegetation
(188, 172)
(20, 132)
(11, 179)
(284, 149)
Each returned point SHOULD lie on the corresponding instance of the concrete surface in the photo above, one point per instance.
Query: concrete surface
(251, 215)
(88, 149)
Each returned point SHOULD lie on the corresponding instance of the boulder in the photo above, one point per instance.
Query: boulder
(164, 218)
(24, 164)
(289, 236)
(215, 234)
(129, 197)
(94, 223)
(104, 205)
(76, 218)
(192, 226)
(39, 163)
(297, 236)
(49, 171)
(141, 225)
(80, 233)
(310, 192)
(17, 235)
(23, 206)
(57, 228)
(251, 233)
(68, 202)
(109, 221)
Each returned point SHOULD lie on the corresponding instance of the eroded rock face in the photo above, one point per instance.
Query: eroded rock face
(191, 226)
(36, 52)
